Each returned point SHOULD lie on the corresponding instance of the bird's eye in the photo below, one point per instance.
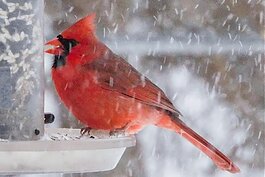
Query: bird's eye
(67, 44)
(60, 36)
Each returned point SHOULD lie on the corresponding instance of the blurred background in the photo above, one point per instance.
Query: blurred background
(208, 57)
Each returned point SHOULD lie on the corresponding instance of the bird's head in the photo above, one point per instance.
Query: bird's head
(82, 32)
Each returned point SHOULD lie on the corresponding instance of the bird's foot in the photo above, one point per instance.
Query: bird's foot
(85, 130)
(119, 131)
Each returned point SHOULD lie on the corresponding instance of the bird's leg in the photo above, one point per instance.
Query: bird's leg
(85, 130)
(119, 131)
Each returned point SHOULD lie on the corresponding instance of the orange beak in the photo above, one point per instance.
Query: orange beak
(56, 47)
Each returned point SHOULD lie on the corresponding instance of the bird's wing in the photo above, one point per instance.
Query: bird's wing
(114, 73)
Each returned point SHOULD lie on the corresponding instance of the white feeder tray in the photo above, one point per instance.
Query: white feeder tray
(63, 151)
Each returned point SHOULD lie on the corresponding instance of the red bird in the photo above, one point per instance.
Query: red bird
(105, 92)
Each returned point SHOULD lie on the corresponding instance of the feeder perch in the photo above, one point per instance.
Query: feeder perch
(25, 146)
(62, 151)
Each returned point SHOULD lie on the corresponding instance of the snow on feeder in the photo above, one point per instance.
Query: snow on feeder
(24, 146)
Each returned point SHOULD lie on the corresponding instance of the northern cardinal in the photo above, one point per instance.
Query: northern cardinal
(105, 92)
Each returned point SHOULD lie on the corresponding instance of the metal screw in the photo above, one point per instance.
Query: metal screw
(37, 132)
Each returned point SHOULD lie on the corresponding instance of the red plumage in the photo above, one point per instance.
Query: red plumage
(105, 92)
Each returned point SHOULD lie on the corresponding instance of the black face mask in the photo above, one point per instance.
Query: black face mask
(67, 45)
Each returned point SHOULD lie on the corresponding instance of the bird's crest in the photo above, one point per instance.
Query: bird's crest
(82, 30)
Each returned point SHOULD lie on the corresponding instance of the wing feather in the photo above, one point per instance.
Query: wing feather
(116, 74)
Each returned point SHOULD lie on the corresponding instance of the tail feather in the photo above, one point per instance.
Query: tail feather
(221, 161)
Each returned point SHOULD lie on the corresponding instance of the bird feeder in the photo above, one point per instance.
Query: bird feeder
(25, 146)
(21, 70)
(62, 151)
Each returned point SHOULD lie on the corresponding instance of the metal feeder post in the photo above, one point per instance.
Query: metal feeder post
(21, 69)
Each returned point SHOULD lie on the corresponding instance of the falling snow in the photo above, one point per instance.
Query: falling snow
(207, 56)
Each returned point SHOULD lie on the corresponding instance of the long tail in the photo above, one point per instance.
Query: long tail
(217, 156)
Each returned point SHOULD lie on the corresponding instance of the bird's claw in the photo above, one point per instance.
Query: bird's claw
(117, 132)
(85, 130)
